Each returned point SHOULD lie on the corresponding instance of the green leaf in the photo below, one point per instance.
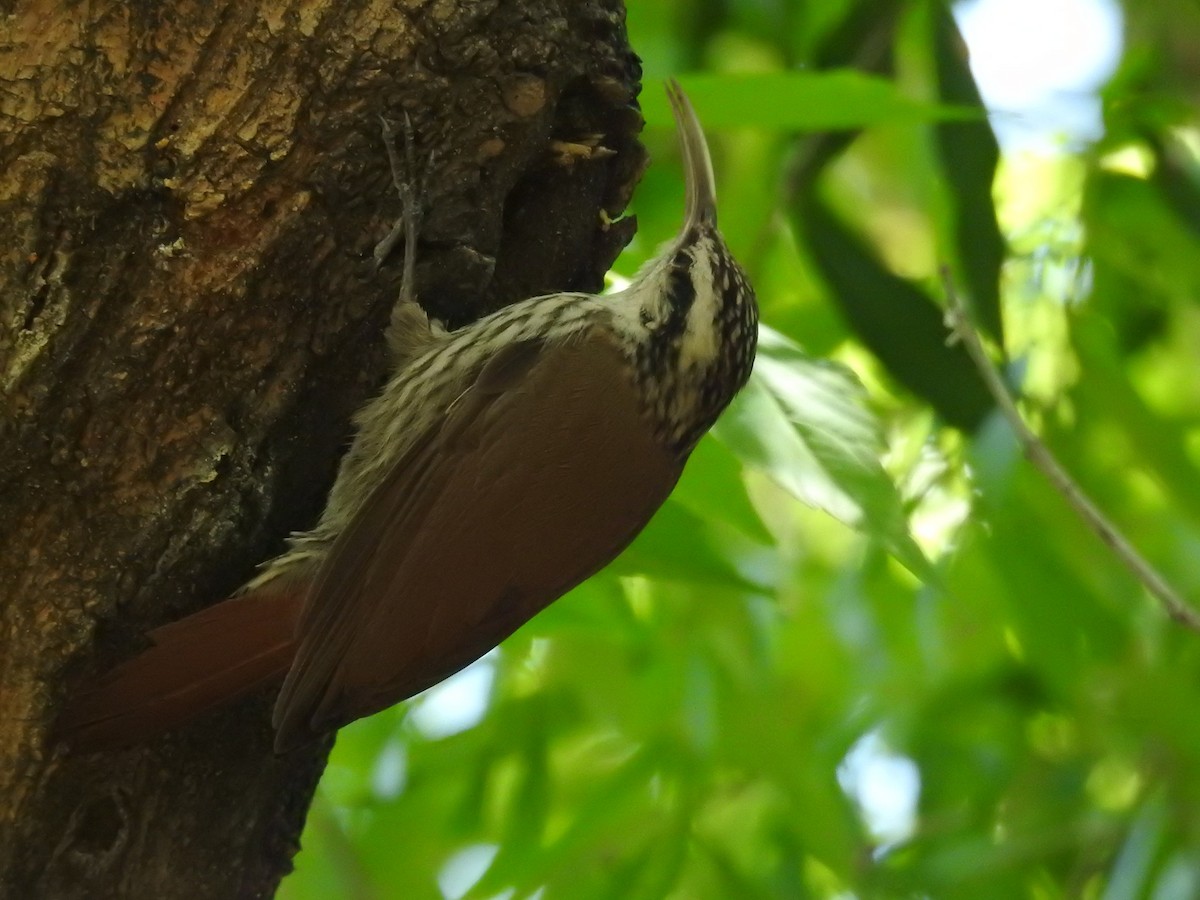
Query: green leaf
(713, 489)
(897, 320)
(969, 155)
(804, 422)
(678, 545)
(801, 101)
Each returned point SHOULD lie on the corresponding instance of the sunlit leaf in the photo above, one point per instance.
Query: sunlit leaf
(805, 422)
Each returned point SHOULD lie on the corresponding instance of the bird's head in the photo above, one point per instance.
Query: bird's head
(694, 302)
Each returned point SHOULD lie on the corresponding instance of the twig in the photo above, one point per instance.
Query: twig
(1041, 457)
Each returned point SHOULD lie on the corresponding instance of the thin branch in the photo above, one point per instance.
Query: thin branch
(1039, 454)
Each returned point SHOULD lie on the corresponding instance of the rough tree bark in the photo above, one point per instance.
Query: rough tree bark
(189, 313)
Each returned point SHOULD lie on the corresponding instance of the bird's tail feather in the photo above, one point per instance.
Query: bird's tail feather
(196, 664)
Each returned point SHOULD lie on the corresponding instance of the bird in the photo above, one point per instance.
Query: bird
(502, 464)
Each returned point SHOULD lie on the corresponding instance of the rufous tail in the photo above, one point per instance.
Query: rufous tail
(196, 664)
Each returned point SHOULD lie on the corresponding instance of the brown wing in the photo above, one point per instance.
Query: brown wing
(541, 474)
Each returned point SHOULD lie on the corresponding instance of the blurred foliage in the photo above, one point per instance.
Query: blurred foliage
(826, 670)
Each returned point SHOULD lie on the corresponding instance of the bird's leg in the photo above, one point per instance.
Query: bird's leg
(403, 174)
(409, 329)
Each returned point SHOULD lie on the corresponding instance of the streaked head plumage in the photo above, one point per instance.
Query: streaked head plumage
(696, 306)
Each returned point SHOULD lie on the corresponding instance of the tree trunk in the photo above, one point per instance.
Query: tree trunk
(189, 314)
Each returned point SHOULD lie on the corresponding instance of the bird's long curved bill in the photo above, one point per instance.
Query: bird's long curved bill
(697, 164)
